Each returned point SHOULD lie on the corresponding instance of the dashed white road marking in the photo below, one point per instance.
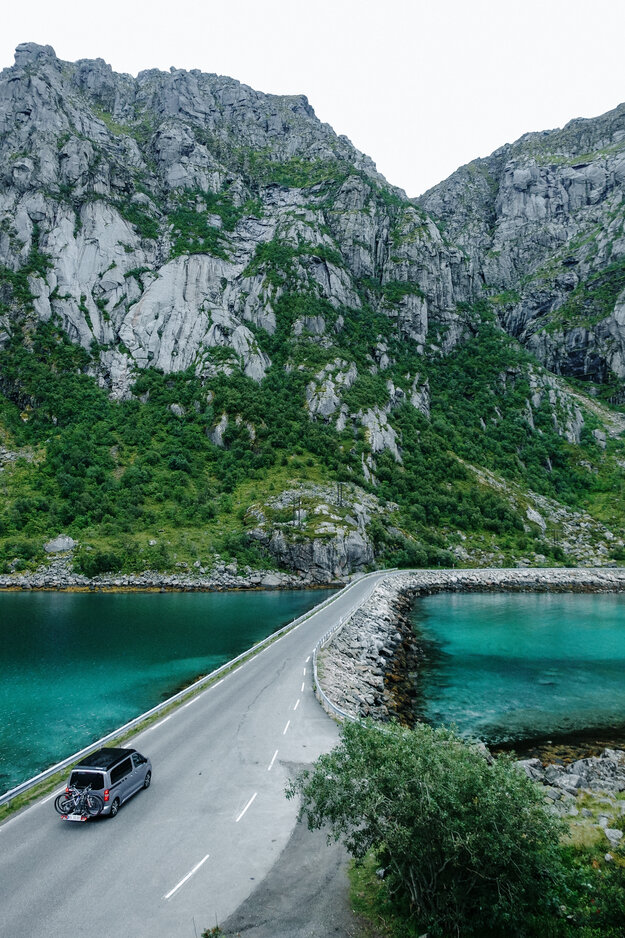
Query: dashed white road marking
(270, 766)
(303, 686)
(169, 894)
(246, 807)
(308, 659)
(288, 723)
(296, 704)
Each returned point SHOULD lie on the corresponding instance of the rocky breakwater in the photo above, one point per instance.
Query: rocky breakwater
(367, 668)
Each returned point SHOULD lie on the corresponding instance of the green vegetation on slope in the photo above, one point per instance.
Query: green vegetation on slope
(142, 485)
(592, 300)
(199, 219)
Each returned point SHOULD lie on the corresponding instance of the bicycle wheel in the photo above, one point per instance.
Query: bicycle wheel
(94, 804)
(63, 804)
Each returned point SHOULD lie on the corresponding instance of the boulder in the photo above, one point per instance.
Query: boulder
(614, 836)
(58, 544)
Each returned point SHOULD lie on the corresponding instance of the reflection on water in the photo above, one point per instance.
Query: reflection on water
(510, 667)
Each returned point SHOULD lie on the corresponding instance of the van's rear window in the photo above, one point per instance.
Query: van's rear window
(82, 779)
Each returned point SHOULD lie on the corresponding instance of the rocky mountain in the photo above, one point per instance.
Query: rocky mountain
(224, 334)
(541, 222)
(157, 202)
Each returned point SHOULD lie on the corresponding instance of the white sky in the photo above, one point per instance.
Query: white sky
(422, 86)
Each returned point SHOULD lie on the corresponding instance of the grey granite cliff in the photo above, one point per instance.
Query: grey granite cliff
(541, 222)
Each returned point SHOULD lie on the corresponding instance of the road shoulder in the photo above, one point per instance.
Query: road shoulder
(305, 894)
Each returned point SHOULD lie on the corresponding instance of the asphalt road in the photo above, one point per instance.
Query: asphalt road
(184, 855)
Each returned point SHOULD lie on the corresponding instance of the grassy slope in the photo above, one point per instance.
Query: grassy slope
(118, 475)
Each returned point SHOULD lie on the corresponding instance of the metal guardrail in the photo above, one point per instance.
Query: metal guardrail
(181, 695)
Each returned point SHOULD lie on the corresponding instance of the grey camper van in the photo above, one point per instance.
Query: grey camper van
(114, 774)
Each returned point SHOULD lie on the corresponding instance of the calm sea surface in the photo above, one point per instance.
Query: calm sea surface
(513, 667)
(74, 666)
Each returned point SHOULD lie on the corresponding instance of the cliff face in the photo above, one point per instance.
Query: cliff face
(541, 222)
(255, 301)
(141, 211)
(151, 203)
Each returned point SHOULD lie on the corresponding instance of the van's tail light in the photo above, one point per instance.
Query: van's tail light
(106, 794)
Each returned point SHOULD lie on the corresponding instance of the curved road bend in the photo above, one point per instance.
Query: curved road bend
(182, 856)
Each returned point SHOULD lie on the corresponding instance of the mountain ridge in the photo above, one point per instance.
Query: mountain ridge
(206, 295)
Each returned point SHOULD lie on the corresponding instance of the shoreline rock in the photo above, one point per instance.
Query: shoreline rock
(602, 777)
(57, 576)
(604, 773)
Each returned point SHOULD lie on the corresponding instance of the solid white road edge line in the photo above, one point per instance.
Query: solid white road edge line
(53, 795)
(149, 729)
(270, 766)
(169, 894)
(37, 804)
(246, 807)
(288, 723)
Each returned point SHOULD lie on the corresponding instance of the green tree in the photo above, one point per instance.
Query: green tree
(467, 846)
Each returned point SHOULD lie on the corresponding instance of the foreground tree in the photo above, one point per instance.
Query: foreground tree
(467, 846)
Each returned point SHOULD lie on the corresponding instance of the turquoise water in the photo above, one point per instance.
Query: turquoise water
(513, 667)
(74, 666)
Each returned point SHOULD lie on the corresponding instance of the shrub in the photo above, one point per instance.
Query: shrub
(93, 562)
(179, 462)
(146, 224)
(467, 846)
(16, 553)
(596, 892)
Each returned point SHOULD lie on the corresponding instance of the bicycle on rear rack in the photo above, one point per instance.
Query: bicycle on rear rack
(78, 804)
